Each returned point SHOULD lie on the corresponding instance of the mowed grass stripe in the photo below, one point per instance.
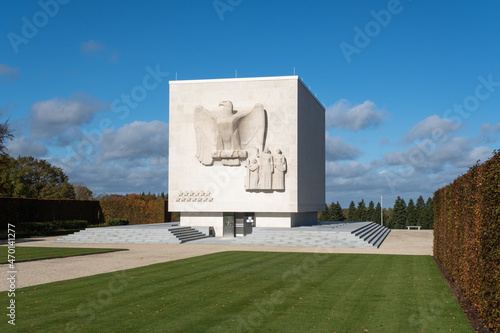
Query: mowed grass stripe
(251, 291)
(38, 253)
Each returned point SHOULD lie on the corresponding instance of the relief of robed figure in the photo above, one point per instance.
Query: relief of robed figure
(266, 170)
(279, 162)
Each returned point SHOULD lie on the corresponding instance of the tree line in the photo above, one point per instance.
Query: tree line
(401, 215)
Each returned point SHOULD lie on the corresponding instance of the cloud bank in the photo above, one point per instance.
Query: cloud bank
(362, 116)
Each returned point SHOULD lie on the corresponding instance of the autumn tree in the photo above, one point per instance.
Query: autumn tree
(82, 192)
(28, 177)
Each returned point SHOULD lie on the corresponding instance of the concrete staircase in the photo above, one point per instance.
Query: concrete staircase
(161, 233)
(325, 234)
(372, 233)
(186, 234)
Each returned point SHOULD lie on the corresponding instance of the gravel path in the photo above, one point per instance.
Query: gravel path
(50, 270)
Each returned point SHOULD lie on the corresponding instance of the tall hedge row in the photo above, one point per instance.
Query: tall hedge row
(136, 209)
(467, 236)
(15, 210)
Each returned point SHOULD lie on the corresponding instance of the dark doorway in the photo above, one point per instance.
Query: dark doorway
(244, 223)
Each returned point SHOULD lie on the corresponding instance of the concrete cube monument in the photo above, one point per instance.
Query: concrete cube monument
(246, 152)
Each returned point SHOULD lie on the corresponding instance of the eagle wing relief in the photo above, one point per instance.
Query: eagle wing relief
(206, 134)
(252, 130)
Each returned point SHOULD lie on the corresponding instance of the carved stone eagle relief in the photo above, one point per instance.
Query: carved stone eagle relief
(229, 135)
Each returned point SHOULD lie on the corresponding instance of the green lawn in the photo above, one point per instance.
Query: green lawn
(249, 291)
(37, 253)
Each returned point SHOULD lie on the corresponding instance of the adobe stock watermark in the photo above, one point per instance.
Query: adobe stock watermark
(88, 144)
(418, 156)
(89, 309)
(222, 6)
(373, 28)
(292, 278)
(31, 25)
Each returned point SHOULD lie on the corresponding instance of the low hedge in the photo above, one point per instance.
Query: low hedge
(41, 227)
(117, 222)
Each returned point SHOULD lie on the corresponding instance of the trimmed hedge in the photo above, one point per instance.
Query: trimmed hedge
(16, 210)
(136, 209)
(117, 222)
(43, 227)
(467, 236)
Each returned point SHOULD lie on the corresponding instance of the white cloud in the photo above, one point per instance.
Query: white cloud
(137, 140)
(489, 133)
(337, 149)
(481, 154)
(23, 146)
(8, 74)
(361, 116)
(55, 116)
(347, 170)
(428, 156)
(112, 177)
(433, 127)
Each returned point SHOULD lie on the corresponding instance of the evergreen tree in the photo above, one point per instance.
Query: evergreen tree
(370, 212)
(429, 214)
(361, 211)
(351, 212)
(336, 213)
(420, 209)
(399, 214)
(325, 214)
(376, 216)
(411, 213)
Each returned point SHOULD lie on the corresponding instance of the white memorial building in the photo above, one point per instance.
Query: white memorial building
(245, 153)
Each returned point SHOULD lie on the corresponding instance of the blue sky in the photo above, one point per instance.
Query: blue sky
(411, 88)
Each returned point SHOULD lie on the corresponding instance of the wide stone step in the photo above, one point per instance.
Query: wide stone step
(137, 234)
(329, 234)
(373, 234)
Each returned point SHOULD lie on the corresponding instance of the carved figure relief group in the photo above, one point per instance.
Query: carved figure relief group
(266, 172)
(232, 136)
